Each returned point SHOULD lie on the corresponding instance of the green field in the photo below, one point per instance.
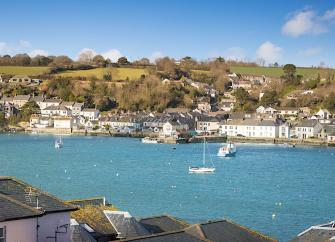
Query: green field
(23, 70)
(117, 73)
(276, 72)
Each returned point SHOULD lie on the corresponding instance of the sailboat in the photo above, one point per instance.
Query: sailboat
(203, 168)
(59, 143)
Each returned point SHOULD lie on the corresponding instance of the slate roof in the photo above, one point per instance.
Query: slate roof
(12, 209)
(51, 100)
(79, 234)
(126, 225)
(164, 223)
(307, 123)
(38, 99)
(22, 97)
(253, 122)
(177, 236)
(26, 194)
(226, 231)
(94, 201)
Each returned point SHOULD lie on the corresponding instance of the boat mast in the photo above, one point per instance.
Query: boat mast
(203, 154)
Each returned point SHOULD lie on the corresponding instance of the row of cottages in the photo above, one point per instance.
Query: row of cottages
(173, 128)
(120, 123)
(18, 101)
(284, 111)
(257, 128)
(31, 215)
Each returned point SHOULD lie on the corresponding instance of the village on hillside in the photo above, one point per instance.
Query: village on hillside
(215, 113)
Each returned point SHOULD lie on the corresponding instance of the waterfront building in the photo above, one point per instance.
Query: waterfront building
(90, 113)
(173, 127)
(63, 122)
(29, 214)
(207, 124)
(257, 128)
(307, 129)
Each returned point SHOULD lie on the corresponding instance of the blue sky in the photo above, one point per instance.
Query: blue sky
(299, 32)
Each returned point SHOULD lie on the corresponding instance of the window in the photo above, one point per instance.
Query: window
(3, 234)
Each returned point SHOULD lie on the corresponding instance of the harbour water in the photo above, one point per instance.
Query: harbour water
(276, 190)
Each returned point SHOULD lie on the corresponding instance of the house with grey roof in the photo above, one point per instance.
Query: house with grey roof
(30, 214)
(21, 100)
(307, 128)
(20, 79)
(257, 128)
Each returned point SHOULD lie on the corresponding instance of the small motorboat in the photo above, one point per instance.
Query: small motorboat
(59, 143)
(228, 150)
(148, 140)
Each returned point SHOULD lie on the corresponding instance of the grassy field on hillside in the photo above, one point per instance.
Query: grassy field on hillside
(23, 70)
(276, 72)
(117, 73)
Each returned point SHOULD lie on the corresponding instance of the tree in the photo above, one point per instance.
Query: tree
(142, 62)
(28, 109)
(123, 61)
(270, 98)
(86, 56)
(62, 61)
(3, 121)
(99, 60)
(245, 101)
(289, 69)
(40, 60)
(187, 64)
(21, 60)
(329, 102)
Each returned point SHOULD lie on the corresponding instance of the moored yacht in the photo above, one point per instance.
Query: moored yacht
(228, 150)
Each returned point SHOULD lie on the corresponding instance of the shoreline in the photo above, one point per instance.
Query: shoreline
(195, 139)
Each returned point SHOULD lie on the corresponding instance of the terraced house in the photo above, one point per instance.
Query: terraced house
(29, 214)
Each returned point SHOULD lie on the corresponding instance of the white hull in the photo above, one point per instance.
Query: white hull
(201, 169)
(58, 145)
(227, 151)
(149, 141)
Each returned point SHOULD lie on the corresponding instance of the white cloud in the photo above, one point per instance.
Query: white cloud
(156, 55)
(304, 22)
(37, 52)
(310, 52)
(11, 49)
(112, 54)
(329, 15)
(235, 53)
(269, 52)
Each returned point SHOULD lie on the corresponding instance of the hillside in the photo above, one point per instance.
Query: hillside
(23, 70)
(117, 73)
(276, 72)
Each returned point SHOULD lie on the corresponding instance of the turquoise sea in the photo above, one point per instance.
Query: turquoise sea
(278, 191)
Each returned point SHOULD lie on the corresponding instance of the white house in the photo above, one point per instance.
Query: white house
(56, 110)
(204, 107)
(49, 102)
(20, 79)
(63, 122)
(90, 113)
(251, 128)
(260, 109)
(307, 129)
(227, 106)
(171, 128)
(77, 108)
(324, 114)
(40, 122)
(31, 214)
(207, 124)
